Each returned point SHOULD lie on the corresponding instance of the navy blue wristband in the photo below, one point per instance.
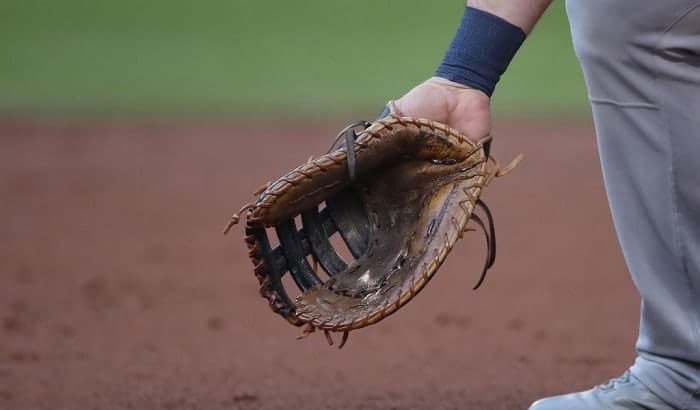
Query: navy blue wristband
(481, 50)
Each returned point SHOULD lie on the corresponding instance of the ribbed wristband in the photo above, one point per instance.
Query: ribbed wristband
(481, 50)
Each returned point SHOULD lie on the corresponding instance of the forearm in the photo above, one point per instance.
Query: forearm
(522, 13)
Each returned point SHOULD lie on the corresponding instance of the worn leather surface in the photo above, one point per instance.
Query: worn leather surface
(416, 184)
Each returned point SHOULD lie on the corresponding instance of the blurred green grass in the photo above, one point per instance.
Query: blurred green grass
(313, 56)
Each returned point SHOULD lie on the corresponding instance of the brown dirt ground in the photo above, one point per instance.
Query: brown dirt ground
(118, 290)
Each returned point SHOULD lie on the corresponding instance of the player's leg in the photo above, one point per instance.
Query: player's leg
(641, 61)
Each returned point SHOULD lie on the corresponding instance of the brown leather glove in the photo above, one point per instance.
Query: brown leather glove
(399, 201)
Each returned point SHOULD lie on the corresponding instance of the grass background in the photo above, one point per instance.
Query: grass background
(247, 56)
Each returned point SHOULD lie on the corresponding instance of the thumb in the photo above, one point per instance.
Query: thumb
(470, 114)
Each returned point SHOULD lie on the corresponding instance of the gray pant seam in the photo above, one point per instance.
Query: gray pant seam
(676, 21)
(675, 221)
(623, 104)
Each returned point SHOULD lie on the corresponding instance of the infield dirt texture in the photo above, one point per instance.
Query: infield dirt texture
(118, 290)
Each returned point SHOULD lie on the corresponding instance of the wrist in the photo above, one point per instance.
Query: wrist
(452, 85)
(481, 50)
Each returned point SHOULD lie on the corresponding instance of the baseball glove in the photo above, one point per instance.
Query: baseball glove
(399, 192)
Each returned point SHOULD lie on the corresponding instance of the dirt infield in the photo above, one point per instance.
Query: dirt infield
(118, 290)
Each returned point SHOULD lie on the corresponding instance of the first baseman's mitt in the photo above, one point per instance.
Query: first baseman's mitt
(400, 197)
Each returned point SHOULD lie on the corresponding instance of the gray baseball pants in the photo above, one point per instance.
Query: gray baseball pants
(641, 62)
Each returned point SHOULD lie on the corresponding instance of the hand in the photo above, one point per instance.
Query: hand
(466, 109)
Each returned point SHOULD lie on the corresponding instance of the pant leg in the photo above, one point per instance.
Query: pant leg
(641, 62)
